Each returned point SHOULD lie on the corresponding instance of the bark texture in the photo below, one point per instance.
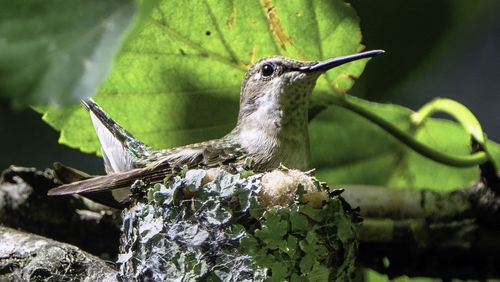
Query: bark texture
(25, 206)
(427, 233)
(29, 257)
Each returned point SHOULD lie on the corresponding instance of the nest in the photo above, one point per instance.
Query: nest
(217, 226)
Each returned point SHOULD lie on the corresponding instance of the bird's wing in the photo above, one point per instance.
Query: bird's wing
(154, 172)
(68, 174)
(120, 149)
(210, 153)
(206, 154)
(222, 153)
(112, 181)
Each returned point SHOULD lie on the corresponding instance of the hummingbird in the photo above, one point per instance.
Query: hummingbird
(271, 130)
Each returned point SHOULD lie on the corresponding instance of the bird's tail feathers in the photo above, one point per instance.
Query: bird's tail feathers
(112, 181)
(68, 174)
(119, 148)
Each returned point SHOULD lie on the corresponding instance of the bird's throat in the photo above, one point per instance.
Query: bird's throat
(276, 134)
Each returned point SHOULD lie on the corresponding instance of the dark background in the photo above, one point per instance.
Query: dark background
(434, 49)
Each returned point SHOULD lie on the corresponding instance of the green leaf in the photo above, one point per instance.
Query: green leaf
(183, 65)
(173, 77)
(58, 51)
(249, 244)
(358, 152)
(314, 214)
(274, 228)
(263, 258)
(319, 273)
(373, 276)
(311, 245)
(307, 263)
(291, 247)
(299, 222)
(279, 271)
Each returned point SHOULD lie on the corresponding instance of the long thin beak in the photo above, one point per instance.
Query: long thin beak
(335, 62)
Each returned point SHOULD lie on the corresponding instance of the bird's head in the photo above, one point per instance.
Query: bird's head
(284, 83)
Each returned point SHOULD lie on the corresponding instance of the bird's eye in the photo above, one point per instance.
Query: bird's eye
(267, 70)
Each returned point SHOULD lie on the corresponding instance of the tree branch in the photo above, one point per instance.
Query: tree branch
(28, 257)
(428, 233)
(24, 205)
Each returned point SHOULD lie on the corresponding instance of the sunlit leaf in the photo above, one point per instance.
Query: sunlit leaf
(177, 80)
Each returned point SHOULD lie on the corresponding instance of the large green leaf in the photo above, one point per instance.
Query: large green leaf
(58, 51)
(177, 79)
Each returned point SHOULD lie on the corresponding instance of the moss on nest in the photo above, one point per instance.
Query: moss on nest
(191, 229)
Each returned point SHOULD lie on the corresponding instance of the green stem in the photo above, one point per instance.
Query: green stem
(409, 140)
(458, 111)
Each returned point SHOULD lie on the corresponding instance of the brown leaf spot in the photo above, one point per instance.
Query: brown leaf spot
(232, 19)
(274, 23)
(252, 54)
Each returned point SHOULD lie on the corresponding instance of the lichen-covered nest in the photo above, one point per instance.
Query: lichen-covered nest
(216, 226)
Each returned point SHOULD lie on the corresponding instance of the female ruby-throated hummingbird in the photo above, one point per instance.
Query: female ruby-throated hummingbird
(271, 130)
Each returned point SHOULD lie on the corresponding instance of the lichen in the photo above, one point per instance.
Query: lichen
(187, 229)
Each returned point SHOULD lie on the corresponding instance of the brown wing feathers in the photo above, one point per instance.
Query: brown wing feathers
(205, 154)
(112, 181)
